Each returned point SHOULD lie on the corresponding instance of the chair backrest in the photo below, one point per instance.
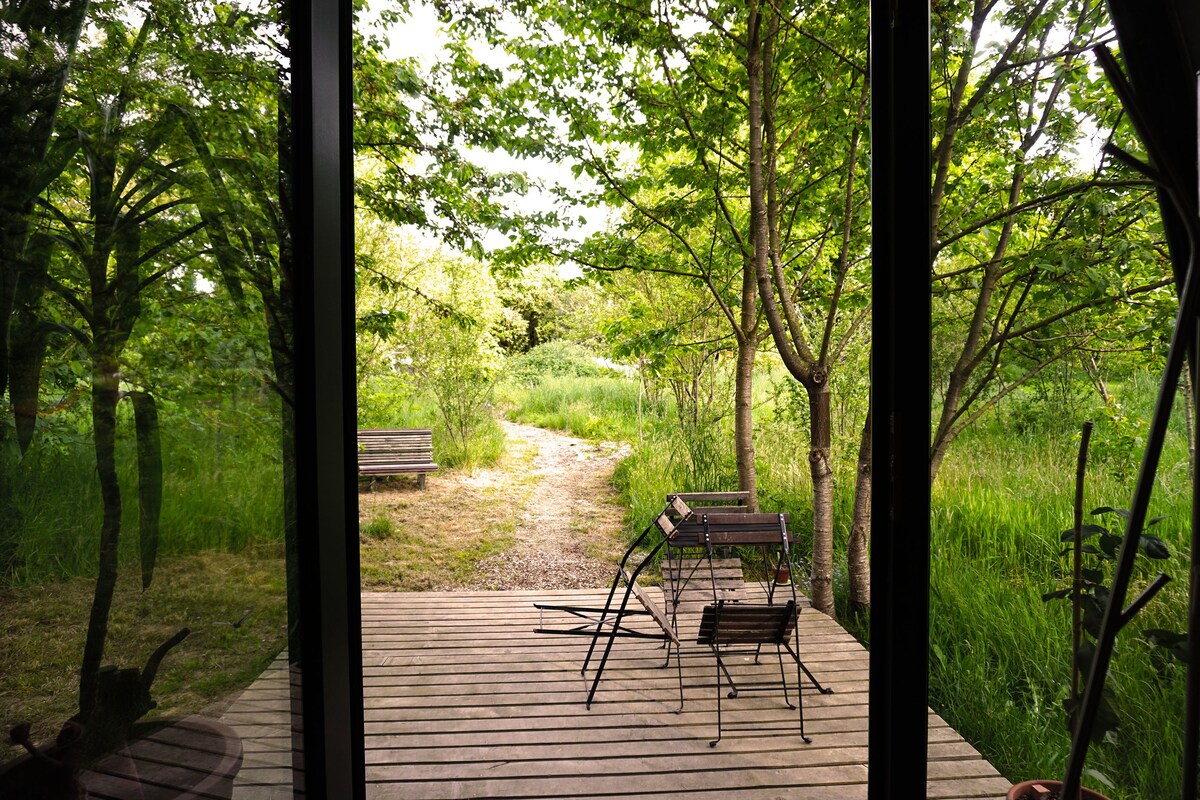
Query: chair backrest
(715, 502)
(740, 623)
(676, 512)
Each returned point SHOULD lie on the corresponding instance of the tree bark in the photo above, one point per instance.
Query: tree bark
(821, 470)
(105, 394)
(858, 562)
(743, 421)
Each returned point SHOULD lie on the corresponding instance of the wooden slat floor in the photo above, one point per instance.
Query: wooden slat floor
(463, 700)
(263, 717)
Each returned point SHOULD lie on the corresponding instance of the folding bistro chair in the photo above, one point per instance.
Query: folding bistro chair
(608, 622)
(725, 624)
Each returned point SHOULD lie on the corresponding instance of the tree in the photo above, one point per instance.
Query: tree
(1024, 239)
(426, 320)
(120, 227)
(665, 106)
(774, 207)
(38, 45)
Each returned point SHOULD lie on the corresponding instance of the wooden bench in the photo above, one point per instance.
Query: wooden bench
(396, 451)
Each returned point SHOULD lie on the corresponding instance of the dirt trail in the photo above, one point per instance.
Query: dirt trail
(563, 537)
(545, 517)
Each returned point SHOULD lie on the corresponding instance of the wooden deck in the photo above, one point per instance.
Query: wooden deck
(463, 700)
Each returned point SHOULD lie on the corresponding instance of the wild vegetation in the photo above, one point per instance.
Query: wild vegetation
(716, 320)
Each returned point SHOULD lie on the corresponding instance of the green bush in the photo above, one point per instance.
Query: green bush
(552, 359)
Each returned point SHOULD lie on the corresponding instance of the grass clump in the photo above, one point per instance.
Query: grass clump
(596, 408)
(378, 528)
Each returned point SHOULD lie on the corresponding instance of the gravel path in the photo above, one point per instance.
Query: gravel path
(564, 537)
(545, 517)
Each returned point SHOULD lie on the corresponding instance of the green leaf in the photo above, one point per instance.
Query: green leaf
(1153, 546)
(1093, 616)
(1099, 777)
(1121, 512)
(1087, 531)
(1109, 545)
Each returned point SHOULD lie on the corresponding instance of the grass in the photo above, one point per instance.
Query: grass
(220, 570)
(413, 540)
(598, 408)
(222, 490)
(1000, 657)
(44, 629)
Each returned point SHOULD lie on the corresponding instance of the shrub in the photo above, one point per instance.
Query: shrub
(552, 359)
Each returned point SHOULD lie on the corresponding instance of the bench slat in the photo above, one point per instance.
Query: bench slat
(396, 451)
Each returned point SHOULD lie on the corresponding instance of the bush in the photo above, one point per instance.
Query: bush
(553, 359)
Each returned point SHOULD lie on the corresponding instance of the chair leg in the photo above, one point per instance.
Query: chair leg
(783, 679)
(720, 667)
(800, 697)
(812, 678)
(679, 672)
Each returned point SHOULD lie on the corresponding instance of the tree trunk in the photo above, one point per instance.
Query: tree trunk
(858, 562)
(105, 394)
(743, 421)
(821, 580)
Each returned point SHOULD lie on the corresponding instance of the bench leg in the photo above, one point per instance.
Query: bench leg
(420, 480)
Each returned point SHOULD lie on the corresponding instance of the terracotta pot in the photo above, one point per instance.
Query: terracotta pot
(783, 575)
(1043, 790)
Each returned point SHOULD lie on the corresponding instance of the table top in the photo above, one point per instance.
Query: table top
(727, 530)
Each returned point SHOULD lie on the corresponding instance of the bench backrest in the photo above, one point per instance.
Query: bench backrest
(399, 445)
(715, 502)
(732, 530)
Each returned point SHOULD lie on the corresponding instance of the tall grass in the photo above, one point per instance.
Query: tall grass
(594, 407)
(1000, 657)
(222, 490)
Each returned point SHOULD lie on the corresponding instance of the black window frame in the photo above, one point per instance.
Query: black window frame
(322, 174)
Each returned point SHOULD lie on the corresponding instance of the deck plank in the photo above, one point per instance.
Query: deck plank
(463, 700)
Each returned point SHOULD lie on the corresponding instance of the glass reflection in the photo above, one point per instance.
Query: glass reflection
(146, 393)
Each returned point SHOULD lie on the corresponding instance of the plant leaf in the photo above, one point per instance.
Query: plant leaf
(1093, 616)
(1056, 595)
(1109, 545)
(1121, 512)
(1153, 546)
(1087, 531)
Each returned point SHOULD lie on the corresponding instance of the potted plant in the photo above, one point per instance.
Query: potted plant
(1091, 547)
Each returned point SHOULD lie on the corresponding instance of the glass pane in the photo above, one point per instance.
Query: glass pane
(145, 390)
(1053, 303)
